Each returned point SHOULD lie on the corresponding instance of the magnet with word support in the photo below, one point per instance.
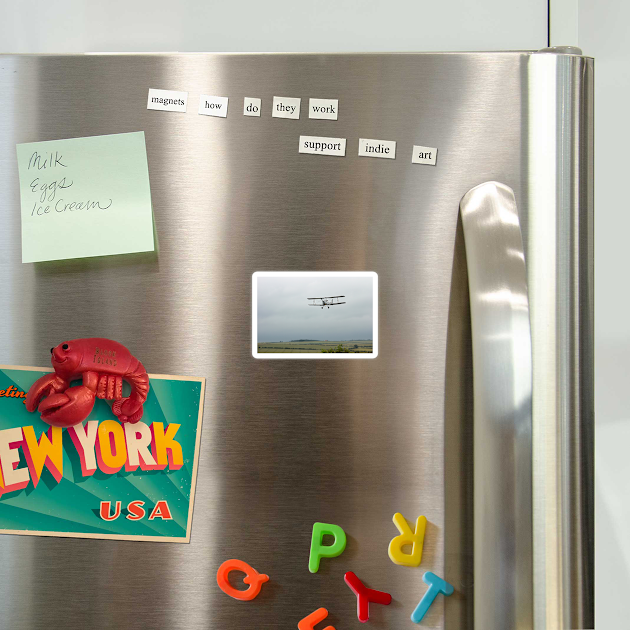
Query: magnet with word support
(308, 623)
(319, 551)
(436, 586)
(407, 537)
(365, 596)
(252, 577)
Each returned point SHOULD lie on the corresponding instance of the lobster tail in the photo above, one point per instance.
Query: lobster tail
(139, 381)
(130, 409)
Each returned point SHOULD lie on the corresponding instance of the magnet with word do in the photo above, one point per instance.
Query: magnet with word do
(436, 586)
(252, 577)
(319, 550)
(407, 537)
(309, 622)
(365, 595)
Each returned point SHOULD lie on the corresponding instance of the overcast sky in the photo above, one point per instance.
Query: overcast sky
(284, 314)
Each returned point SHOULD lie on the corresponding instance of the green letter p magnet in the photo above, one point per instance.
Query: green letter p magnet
(319, 551)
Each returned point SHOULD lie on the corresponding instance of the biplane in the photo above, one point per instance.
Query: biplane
(327, 301)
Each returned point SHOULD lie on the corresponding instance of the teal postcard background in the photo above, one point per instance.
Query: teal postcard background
(72, 505)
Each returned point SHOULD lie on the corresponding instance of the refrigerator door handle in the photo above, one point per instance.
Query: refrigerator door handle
(502, 375)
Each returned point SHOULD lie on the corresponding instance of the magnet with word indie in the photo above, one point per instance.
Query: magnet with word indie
(407, 537)
(365, 595)
(102, 364)
(436, 586)
(252, 577)
(319, 550)
(309, 622)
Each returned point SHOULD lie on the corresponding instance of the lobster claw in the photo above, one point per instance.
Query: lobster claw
(43, 386)
(68, 408)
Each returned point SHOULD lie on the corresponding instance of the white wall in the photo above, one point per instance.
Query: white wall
(36, 26)
(603, 29)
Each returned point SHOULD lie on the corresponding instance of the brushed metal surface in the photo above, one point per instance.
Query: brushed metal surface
(560, 273)
(284, 443)
(502, 372)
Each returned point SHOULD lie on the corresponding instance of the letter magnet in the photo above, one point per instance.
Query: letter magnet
(252, 577)
(407, 537)
(319, 551)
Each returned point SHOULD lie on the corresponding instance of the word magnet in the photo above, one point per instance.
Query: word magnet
(424, 155)
(322, 146)
(365, 596)
(167, 100)
(319, 550)
(285, 107)
(436, 586)
(213, 106)
(377, 148)
(323, 108)
(407, 537)
(252, 577)
(251, 106)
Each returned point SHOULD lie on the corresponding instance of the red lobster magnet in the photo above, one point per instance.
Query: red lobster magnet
(102, 364)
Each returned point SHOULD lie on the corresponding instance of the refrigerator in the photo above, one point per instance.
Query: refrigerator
(477, 410)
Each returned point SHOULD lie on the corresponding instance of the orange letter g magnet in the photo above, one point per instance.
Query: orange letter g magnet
(252, 577)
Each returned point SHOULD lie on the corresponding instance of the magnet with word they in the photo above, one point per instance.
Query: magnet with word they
(252, 577)
(319, 550)
(407, 537)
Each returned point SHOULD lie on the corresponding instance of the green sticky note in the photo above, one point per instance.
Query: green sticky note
(85, 197)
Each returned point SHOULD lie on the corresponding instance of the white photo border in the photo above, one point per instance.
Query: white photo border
(314, 355)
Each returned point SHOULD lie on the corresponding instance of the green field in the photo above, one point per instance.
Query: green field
(363, 345)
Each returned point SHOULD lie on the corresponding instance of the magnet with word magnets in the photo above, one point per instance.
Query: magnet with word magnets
(407, 537)
(309, 623)
(102, 364)
(436, 586)
(365, 596)
(319, 550)
(252, 577)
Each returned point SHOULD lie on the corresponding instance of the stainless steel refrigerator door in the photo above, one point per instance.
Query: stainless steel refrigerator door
(288, 443)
